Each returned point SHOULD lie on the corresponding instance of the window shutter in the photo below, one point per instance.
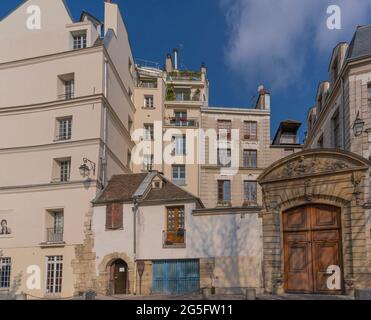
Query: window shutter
(114, 216)
(109, 216)
(220, 190)
(118, 216)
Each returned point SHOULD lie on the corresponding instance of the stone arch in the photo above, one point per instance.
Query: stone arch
(103, 279)
(322, 176)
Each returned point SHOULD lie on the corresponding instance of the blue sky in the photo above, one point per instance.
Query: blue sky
(282, 44)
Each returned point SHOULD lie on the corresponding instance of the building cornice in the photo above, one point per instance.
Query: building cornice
(50, 57)
(51, 186)
(218, 110)
(227, 211)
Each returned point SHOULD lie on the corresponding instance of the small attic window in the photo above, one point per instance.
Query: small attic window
(157, 184)
(79, 39)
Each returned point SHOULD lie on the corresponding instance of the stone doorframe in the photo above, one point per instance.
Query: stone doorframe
(317, 176)
(103, 279)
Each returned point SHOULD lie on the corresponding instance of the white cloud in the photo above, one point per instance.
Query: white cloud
(272, 40)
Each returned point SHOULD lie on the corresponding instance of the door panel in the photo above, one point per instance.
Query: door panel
(120, 277)
(312, 243)
(298, 264)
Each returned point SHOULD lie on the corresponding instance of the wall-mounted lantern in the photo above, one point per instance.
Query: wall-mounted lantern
(87, 167)
(358, 126)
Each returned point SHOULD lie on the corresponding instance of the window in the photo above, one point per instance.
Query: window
(54, 274)
(174, 226)
(178, 174)
(250, 193)
(224, 157)
(5, 269)
(148, 162)
(65, 169)
(250, 158)
(179, 145)
(288, 138)
(250, 130)
(55, 229)
(64, 128)
(224, 129)
(69, 89)
(181, 118)
(369, 90)
(150, 84)
(224, 191)
(336, 130)
(79, 41)
(183, 95)
(148, 101)
(114, 216)
(148, 132)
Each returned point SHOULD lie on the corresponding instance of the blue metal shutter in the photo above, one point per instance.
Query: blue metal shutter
(175, 276)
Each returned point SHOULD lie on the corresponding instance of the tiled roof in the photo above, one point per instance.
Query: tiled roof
(121, 188)
(361, 43)
(126, 187)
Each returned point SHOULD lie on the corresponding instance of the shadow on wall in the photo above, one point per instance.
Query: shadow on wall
(235, 241)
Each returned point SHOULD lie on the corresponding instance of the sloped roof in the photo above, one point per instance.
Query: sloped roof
(126, 187)
(361, 43)
(121, 188)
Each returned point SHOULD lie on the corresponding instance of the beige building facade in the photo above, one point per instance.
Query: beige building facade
(64, 115)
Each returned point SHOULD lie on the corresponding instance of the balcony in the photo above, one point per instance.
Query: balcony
(181, 122)
(54, 236)
(66, 96)
(174, 238)
(184, 76)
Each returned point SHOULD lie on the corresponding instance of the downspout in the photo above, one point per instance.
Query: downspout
(135, 210)
(104, 157)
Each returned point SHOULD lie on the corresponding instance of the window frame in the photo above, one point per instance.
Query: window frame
(249, 162)
(226, 197)
(53, 286)
(178, 180)
(245, 189)
(248, 130)
(5, 272)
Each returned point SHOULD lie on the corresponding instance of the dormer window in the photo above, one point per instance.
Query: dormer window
(157, 184)
(79, 40)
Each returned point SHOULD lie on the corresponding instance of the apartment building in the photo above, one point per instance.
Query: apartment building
(169, 103)
(317, 202)
(66, 108)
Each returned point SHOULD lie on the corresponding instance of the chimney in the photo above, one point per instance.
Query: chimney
(169, 63)
(203, 72)
(264, 100)
(111, 17)
(176, 54)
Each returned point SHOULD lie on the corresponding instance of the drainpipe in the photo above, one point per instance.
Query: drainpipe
(104, 157)
(135, 210)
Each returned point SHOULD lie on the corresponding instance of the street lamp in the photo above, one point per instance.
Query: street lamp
(358, 126)
(87, 167)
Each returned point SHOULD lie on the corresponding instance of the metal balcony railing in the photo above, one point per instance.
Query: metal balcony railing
(53, 235)
(66, 95)
(174, 238)
(182, 122)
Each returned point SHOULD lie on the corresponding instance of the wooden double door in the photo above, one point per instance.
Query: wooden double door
(312, 243)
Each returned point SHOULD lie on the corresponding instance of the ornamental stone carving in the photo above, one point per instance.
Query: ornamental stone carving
(307, 166)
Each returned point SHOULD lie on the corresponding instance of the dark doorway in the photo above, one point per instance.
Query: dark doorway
(119, 277)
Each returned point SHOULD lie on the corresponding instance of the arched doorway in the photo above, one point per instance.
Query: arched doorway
(311, 244)
(119, 277)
